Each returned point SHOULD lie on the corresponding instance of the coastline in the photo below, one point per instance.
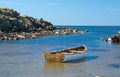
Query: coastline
(37, 34)
(13, 26)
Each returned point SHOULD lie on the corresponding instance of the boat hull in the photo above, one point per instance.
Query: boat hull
(73, 57)
(62, 57)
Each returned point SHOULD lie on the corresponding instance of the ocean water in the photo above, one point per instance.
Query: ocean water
(23, 58)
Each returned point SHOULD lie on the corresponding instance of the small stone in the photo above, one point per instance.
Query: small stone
(102, 39)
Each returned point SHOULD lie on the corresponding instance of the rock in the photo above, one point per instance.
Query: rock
(20, 36)
(16, 27)
(102, 39)
(56, 32)
(9, 12)
(114, 39)
(109, 40)
(0, 32)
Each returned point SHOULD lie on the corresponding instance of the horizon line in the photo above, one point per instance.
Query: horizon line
(86, 25)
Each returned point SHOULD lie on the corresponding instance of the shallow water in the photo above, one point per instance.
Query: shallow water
(23, 58)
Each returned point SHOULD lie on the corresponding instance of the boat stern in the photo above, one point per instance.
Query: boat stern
(53, 57)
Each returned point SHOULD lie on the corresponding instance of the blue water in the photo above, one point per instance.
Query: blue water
(23, 58)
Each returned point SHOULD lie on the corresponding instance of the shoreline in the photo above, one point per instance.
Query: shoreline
(40, 33)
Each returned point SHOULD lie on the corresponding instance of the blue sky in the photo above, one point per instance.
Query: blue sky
(69, 12)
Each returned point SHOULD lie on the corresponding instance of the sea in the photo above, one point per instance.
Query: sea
(22, 58)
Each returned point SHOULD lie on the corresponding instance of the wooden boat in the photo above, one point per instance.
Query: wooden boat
(65, 55)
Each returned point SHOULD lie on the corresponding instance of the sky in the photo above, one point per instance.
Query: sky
(69, 12)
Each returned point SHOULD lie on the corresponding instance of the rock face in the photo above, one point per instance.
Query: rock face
(16, 27)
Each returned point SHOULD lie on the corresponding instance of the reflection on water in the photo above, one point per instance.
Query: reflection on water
(53, 65)
(116, 43)
(52, 69)
(57, 69)
(58, 65)
(68, 69)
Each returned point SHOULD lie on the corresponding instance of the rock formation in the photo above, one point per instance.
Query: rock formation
(16, 27)
(115, 38)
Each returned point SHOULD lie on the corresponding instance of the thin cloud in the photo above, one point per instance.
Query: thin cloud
(50, 4)
(113, 9)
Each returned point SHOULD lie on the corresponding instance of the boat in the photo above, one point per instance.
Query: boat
(65, 55)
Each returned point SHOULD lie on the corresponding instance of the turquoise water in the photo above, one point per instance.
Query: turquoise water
(23, 58)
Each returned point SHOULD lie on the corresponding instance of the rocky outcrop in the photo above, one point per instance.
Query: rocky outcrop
(11, 21)
(36, 34)
(16, 27)
(115, 38)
